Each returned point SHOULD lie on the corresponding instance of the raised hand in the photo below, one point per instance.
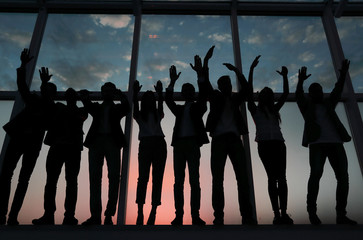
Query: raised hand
(197, 64)
(255, 62)
(44, 74)
(173, 74)
(137, 86)
(345, 66)
(158, 87)
(208, 56)
(302, 74)
(283, 72)
(25, 57)
(231, 67)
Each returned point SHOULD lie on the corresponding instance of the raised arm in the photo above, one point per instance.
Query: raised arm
(159, 90)
(251, 104)
(21, 75)
(285, 92)
(170, 89)
(338, 89)
(299, 94)
(137, 87)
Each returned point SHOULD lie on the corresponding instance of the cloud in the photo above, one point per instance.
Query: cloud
(150, 25)
(181, 64)
(113, 21)
(127, 57)
(81, 75)
(21, 39)
(226, 37)
(314, 34)
(307, 56)
(255, 38)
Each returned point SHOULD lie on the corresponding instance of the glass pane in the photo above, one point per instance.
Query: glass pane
(84, 51)
(5, 107)
(174, 40)
(15, 34)
(297, 174)
(285, 41)
(351, 35)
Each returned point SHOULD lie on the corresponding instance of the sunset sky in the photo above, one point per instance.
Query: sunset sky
(84, 51)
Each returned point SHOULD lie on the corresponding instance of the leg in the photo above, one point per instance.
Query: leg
(72, 167)
(113, 159)
(11, 159)
(218, 162)
(95, 159)
(30, 157)
(179, 175)
(237, 155)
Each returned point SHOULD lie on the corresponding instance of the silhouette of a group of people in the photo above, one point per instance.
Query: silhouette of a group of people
(62, 126)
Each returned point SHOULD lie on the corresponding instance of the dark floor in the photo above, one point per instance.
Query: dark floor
(261, 232)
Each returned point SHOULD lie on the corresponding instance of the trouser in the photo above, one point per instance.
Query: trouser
(30, 152)
(186, 150)
(338, 160)
(273, 157)
(104, 147)
(152, 152)
(223, 146)
(58, 155)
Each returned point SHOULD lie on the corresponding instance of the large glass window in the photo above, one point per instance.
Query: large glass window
(84, 51)
(285, 41)
(351, 35)
(175, 40)
(15, 34)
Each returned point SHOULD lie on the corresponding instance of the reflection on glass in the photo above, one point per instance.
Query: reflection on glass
(15, 34)
(5, 109)
(175, 40)
(297, 174)
(350, 31)
(84, 51)
(285, 41)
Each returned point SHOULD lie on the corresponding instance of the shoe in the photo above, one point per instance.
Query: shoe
(277, 220)
(44, 220)
(285, 219)
(140, 219)
(108, 220)
(178, 221)
(70, 221)
(151, 220)
(13, 222)
(218, 222)
(314, 219)
(92, 221)
(198, 221)
(249, 221)
(345, 220)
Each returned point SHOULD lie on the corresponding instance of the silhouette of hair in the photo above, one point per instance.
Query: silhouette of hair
(224, 84)
(315, 87)
(187, 86)
(223, 79)
(266, 102)
(50, 88)
(148, 105)
(108, 85)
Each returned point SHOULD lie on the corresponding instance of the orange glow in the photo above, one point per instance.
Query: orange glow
(153, 36)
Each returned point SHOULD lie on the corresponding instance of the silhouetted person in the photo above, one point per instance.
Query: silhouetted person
(65, 138)
(271, 144)
(26, 131)
(226, 125)
(105, 139)
(324, 134)
(152, 148)
(188, 136)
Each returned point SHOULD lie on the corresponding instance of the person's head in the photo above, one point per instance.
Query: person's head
(108, 90)
(224, 85)
(266, 97)
(71, 96)
(148, 102)
(49, 89)
(188, 92)
(316, 92)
